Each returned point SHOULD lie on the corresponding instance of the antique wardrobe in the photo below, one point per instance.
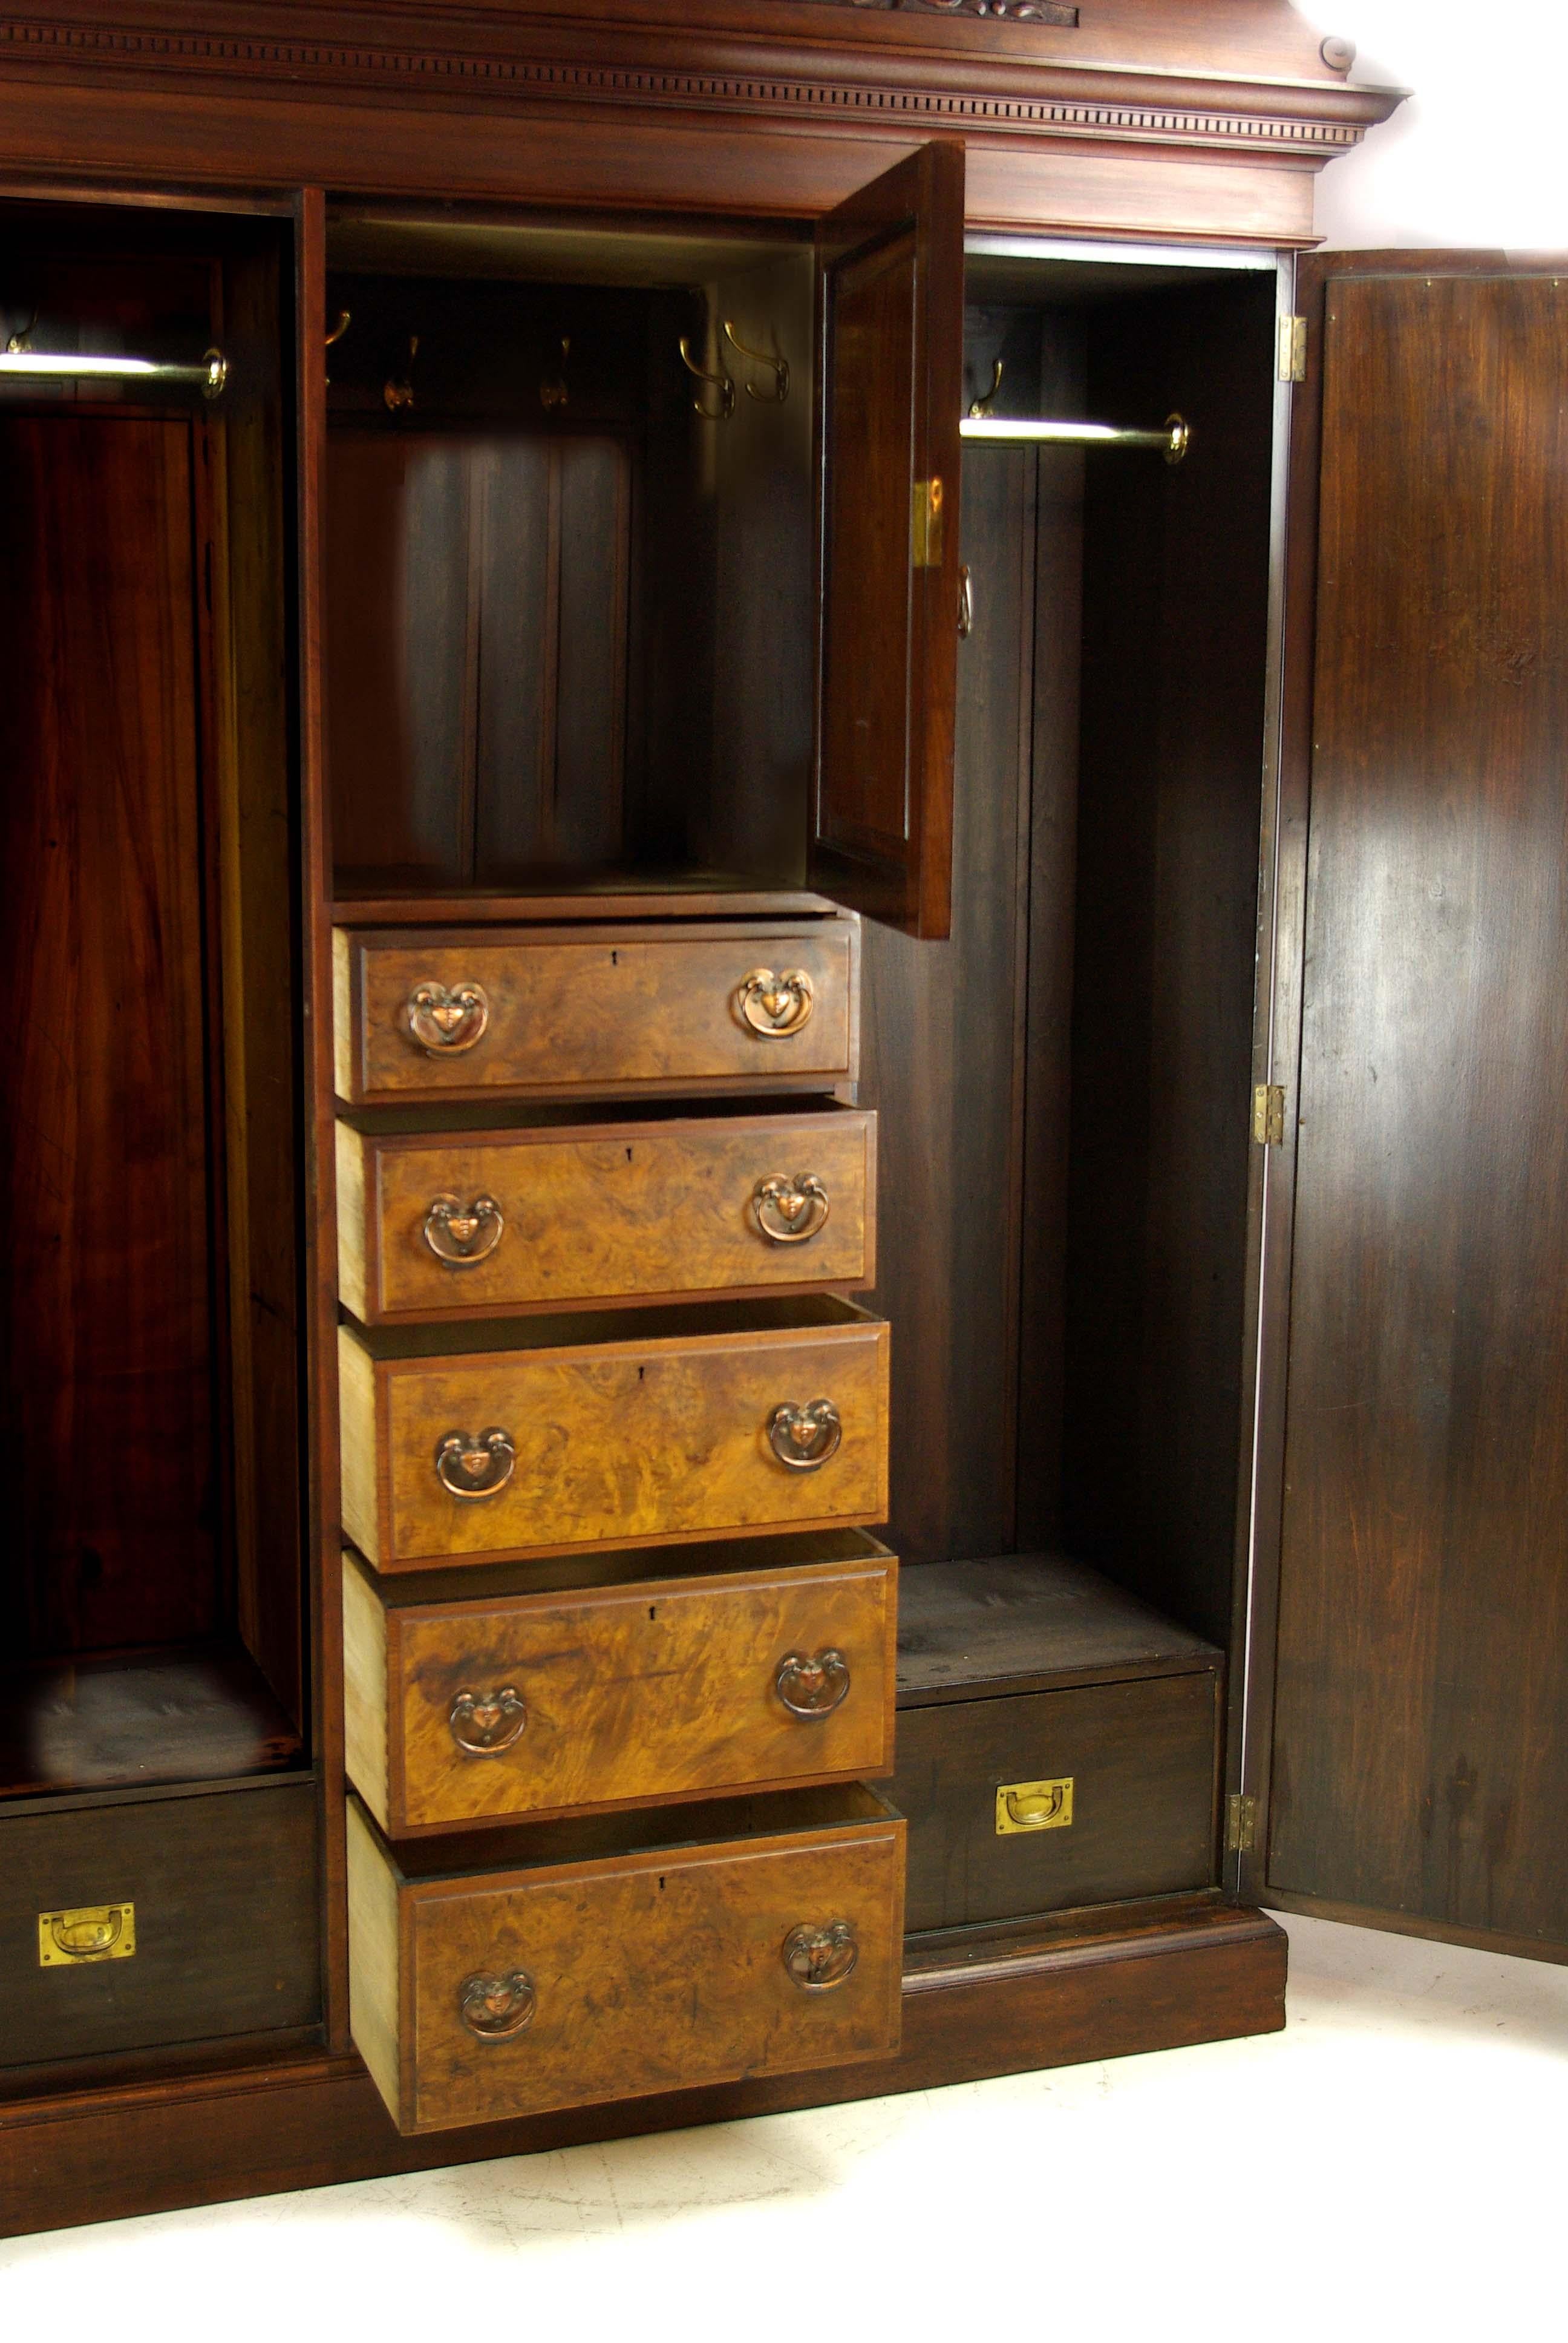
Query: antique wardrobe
(783, 915)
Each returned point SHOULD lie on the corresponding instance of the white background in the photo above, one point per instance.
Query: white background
(1479, 155)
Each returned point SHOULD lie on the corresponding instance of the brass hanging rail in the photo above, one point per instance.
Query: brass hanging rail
(49, 366)
(1004, 432)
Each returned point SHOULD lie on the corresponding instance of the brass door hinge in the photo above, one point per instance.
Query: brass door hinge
(1291, 359)
(1268, 1114)
(926, 526)
(1241, 1824)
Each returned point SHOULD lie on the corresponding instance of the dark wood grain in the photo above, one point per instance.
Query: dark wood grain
(151, 1718)
(890, 350)
(1421, 1761)
(226, 1914)
(108, 1304)
(1025, 1622)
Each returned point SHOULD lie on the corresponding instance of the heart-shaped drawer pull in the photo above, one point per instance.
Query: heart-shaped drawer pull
(447, 1022)
(790, 1211)
(484, 1724)
(495, 2007)
(803, 1438)
(819, 1958)
(461, 1235)
(812, 1686)
(473, 1469)
(775, 1006)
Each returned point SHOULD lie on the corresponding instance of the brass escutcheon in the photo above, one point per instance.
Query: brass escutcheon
(93, 1932)
(495, 2007)
(774, 1007)
(790, 1211)
(445, 1022)
(802, 1438)
(474, 1469)
(1033, 1806)
(820, 1958)
(462, 1235)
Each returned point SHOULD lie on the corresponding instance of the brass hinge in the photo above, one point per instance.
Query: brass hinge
(926, 530)
(1290, 350)
(1241, 1824)
(1268, 1114)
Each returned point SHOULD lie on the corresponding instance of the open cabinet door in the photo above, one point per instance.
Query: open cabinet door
(1419, 1704)
(889, 337)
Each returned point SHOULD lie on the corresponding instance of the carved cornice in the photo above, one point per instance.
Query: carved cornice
(1017, 12)
(474, 57)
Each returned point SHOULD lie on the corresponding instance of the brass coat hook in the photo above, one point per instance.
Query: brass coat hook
(399, 394)
(716, 382)
(553, 391)
(980, 407)
(22, 337)
(335, 335)
(781, 367)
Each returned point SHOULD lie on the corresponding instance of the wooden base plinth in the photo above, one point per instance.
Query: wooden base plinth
(998, 2001)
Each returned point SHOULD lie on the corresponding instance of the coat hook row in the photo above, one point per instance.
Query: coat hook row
(1173, 440)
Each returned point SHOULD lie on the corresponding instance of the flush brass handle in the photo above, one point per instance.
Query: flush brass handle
(94, 1932)
(803, 1438)
(446, 1022)
(775, 1006)
(496, 2007)
(474, 1469)
(1033, 1806)
(462, 1235)
(484, 1723)
(812, 1687)
(790, 1211)
(820, 1958)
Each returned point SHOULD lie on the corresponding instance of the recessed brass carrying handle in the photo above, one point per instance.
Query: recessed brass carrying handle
(775, 1006)
(446, 1022)
(476, 1468)
(462, 1235)
(790, 1211)
(94, 1932)
(1033, 1806)
(495, 2007)
(809, 1687)
(820, 1958)
(803, 1438)
(484, 1723)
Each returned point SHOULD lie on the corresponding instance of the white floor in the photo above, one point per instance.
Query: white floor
(1392, 2165)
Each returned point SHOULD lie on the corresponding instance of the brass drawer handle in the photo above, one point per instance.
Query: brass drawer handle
(790, 1211)
(445, 1024)
(1035, 1806)
(820, 1958)
(484, 1723)
(803, 1438)
(474, 1469)
(93, 1932)
(462, 1235)
(812, 1687)
(496, 2007)
(775, 1006)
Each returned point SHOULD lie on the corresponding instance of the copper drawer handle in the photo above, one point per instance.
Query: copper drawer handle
(820, 1958)
(484, 1723)
(790, 1211)
(444, 1022)
(462, 1235)
(775, 1006)
(496, 2007)
(476, 1468)
(803, 1438)
(812, 1687)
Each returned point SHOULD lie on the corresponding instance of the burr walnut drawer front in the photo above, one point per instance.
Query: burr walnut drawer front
(486, 1706)
(594, 1011)
(487, 1984)
(550, 1435)
(451, 1225)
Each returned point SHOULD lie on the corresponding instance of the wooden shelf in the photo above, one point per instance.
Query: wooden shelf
(139, 1719)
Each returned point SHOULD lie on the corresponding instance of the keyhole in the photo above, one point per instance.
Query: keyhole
(629, 1155)
(652, 1610)
(615, 959)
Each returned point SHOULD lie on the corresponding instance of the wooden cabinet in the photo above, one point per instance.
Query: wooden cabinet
(733, 827)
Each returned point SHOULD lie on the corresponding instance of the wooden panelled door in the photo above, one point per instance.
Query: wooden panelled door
(889, 337)
(1419, 1742)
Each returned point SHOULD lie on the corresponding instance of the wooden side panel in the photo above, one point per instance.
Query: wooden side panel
(652, 1972)
(617, 1211)
(890, 336)
(624, 1443)
(364, 1691)
(612, 1011)
(634, 1693)
(108, 1298)
(1421, 1756)
(375, 1963)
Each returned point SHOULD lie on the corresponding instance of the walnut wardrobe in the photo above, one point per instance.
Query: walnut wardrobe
(782, 892)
